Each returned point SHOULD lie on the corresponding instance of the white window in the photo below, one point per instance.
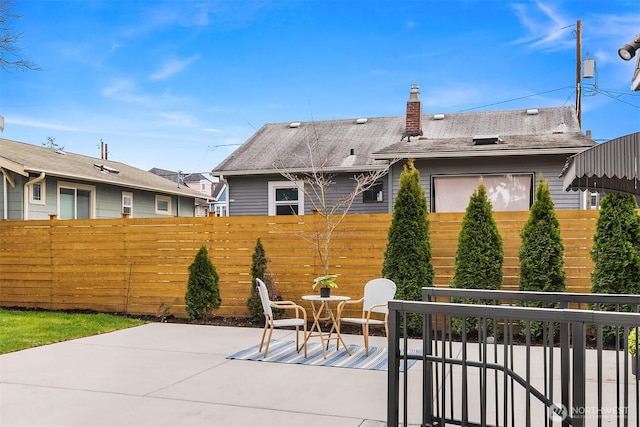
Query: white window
(38, 193)
(286, 198)
(163, 205)
(76, 201)
(127, 203)
(221, 210)
(592, 200)
(509, 192)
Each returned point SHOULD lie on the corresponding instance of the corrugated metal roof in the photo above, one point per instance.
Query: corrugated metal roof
(23, 158)
(279, 146)
(613, 166)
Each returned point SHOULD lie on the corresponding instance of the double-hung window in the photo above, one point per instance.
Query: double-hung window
(127, 203)
(286, 198)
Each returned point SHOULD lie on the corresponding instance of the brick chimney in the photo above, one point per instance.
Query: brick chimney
(414, 113)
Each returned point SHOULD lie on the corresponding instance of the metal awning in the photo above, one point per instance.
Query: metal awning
(613, 166)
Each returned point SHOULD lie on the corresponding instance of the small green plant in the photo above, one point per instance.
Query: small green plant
(326, 281)
(203, 293)
(260, 270)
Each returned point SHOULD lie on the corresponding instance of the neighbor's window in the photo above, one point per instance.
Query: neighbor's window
(75, 201)
(221, 210)
(163, 205)
(373, 194)
(127, 203)
(509, 192)
(37, 193)
(286, 198)
(593, 200)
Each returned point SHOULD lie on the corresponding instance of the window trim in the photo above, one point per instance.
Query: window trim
(43, 193)
(161, 198)
(130, 206)
(275, 185)
(74, 186)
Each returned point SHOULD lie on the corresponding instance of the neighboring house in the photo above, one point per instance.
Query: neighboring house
(220, 204)
(508, 150)
(38, 182)
(195, 181)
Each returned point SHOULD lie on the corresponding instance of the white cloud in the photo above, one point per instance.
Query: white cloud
(178, 118)
(42, 124)
(173, 66)
(546, 29)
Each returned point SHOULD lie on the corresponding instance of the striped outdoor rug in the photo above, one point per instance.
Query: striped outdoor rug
(285, 352)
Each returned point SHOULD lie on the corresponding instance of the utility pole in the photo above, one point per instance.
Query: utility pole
(578, 72)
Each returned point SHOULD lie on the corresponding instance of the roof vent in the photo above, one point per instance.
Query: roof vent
(294, 125)
(486, 139)
(362, 120)
(532, 112)
(106, 169)
(438, 117)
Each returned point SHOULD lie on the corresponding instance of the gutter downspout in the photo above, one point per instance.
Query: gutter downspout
(6, 178)
(26, 192)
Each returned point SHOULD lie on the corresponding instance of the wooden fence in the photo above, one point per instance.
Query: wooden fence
(140, 265)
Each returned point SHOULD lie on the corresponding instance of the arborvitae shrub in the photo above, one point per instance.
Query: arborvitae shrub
(541, 254)
(203, 293)
(616, 252)
(260, 270)
(479, 256)
(407, 257)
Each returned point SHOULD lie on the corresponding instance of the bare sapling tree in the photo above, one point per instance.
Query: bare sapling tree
(10, 58)
(315, 177)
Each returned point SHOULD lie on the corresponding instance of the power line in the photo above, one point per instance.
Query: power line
(517, 99)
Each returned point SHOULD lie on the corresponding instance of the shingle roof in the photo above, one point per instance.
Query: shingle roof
(549, 130)
(23, 158)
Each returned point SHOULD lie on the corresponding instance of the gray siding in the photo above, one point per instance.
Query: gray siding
(249, 195)
(549, 166)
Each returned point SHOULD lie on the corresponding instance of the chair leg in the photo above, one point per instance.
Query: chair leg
(264, 331)
(266, 350)
(365, 332)
(304, 343)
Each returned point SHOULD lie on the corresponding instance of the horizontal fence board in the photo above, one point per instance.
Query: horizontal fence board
(140, 265)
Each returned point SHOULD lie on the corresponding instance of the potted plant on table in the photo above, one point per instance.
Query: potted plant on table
(325, 282)
(632, 348)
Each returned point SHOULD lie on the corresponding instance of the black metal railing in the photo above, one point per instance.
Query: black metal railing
(483, 366)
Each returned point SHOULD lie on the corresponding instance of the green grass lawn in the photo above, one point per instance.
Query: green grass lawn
(25, 329)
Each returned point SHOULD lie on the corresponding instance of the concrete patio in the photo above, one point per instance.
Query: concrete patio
(163, 374)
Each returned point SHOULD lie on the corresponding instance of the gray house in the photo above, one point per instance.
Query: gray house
(38, 182)
(506, 150)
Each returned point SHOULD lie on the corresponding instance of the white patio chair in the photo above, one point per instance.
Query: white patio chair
(377, 293)
(270, 323)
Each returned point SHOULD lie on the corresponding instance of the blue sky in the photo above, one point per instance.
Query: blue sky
(180, 84)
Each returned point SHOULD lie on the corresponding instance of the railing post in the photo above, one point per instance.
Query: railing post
(565, 364)
(578, 407)
(427, 369)
(393, 368)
